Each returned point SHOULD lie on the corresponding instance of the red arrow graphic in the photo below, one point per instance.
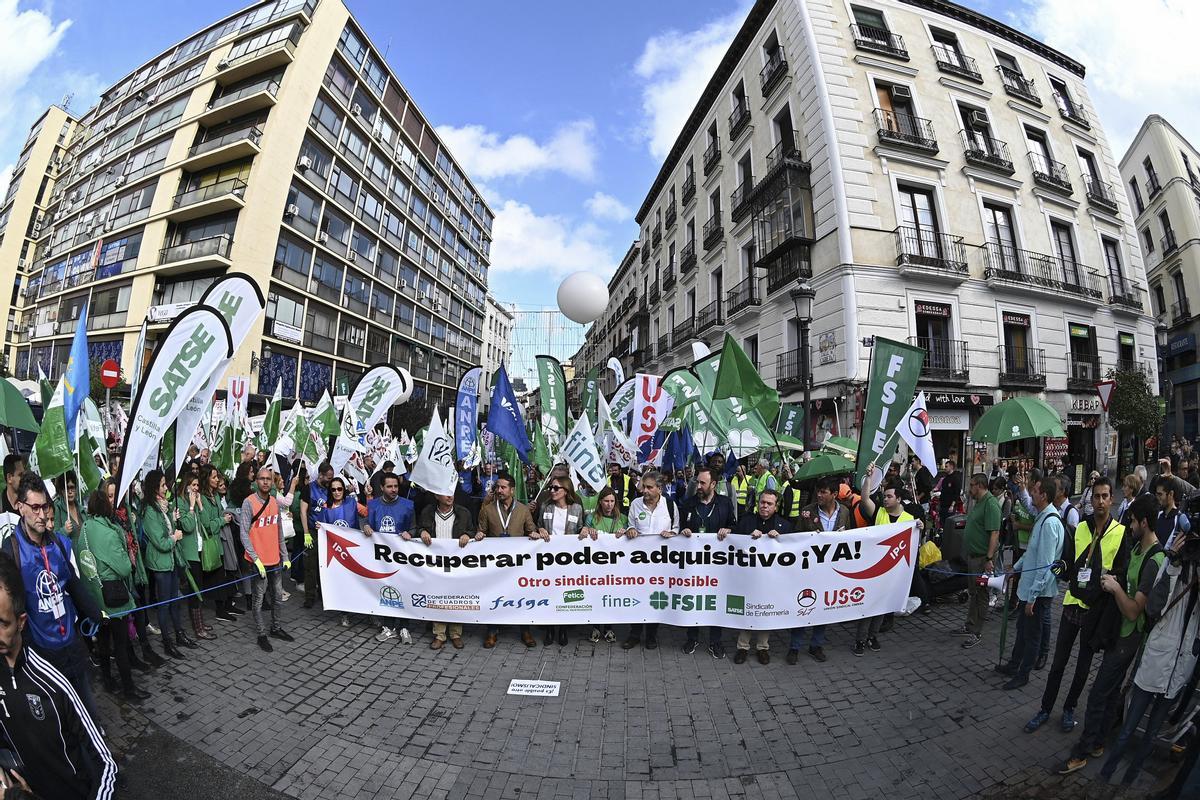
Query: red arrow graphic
(897, 549)
(339, 547)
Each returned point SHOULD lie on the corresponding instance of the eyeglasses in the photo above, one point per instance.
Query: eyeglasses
(37, 508)
(556, 488)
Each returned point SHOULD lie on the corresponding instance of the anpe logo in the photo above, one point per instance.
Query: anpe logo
(659, 601)
(735, 604)
(573, 596)
(419, 601)
(807, 598)
(683, 602)
(390, 598)
(836, 598)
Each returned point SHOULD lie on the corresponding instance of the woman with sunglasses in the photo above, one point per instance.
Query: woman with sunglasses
(341, 510)
(160, 522)
(560, 515)
(69, 513)
(607, 518)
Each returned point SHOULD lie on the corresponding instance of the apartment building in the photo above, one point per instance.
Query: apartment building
(1161, 173)
(497, 342)
(935, 175)
(275, 142)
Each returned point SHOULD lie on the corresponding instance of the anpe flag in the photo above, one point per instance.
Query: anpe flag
(76, 379)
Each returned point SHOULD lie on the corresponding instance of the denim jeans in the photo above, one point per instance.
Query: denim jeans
(1068, 631)
(714, 634)
(799, 635)
(1139, 701)
(1105, 693)
(1028, 645)
(166, 587)
(260, 586)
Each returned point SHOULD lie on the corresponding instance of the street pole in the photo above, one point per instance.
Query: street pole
(806, 376)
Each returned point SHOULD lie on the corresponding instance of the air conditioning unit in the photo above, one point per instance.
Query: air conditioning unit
(108, 226)
(152, 99)
(403, 283)
(141, 95)
(223, 63)
(979, 119)
(75, 195)
(379, 135)
(20, 263)
(323, 237)
(901, 93)
(305, 162)
(37, 229)
(356, 110)
(351, 257)
(1083, 371)
(120, 181)
(291, 211)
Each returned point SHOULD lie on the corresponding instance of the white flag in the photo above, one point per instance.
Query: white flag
(434, 470)
(580, 452)
(914, 430)
(615, 365)
(619, 446)
(348, 439)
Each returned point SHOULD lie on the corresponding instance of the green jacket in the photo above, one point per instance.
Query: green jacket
(160, 548)
(107, 541)
(60, 516)
(189, 523)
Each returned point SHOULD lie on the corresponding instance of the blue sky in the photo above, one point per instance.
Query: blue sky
(561, 111)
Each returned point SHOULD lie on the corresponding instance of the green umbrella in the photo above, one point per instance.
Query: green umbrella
(823, 464)
(1018, 418)
(841, 445)
(789, 442)
(14, 409)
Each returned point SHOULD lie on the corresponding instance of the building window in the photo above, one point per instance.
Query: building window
(750, 346)
(1147, 240)
(1001, 238)
(1137, 195)
(1064, 247)
(1151, 176)
(920, 233)
(1160, 300)
(1116, 275)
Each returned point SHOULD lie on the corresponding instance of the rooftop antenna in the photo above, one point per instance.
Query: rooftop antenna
(66, 101)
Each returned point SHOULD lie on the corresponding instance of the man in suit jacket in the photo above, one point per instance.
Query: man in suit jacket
(827, 514)
(504, 516)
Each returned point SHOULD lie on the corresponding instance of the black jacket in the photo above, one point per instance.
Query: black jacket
(49, 730)
(711, 518)
(750, 523)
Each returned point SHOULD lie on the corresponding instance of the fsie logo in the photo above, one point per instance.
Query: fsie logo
(390, 598)
(683, 602)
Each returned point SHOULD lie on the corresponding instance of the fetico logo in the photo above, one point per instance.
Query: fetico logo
(735, 604)
(838, 598)
(659, 601)
(390, 598)
(683, 602)
(807, 598)
(573, 596)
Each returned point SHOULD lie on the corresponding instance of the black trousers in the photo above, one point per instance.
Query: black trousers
(1028, 645)
(714, 634)
(1068, 631)
(643, 630)
(114, 643)
(1104, 697)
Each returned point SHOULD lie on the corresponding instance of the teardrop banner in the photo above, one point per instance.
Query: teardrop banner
(238, 299)
(380, 387)
(194, 344)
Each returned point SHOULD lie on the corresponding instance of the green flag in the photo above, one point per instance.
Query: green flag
(50, 449)
(791, 420)
(743, 429)
(895, 368)
(89, 474)
(591, 388)
(270, 428)
(512, 460)
(541, 455)
(221, 453)
(325, 418)
(738, 378)
(47, 391)
(554, 398)
(166, 448)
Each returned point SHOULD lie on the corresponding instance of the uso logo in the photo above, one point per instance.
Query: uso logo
(841, 598)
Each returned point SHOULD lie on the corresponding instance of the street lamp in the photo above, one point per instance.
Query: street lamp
(802, 298)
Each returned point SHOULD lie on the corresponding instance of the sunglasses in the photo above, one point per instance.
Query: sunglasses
(556, 488)
(336, 489)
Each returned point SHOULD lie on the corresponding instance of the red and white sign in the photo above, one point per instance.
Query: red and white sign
(1105, 390)
(239, 387)
(651, 405)
(110, 374)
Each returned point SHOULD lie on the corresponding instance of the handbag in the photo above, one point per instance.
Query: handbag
(210, 553)
(114, 592)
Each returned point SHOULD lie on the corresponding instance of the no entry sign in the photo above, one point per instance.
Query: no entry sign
(110, 374)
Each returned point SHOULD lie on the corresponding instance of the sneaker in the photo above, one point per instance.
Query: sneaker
(971, 640)
(717, 651)
(1068, 720)
(385, 634)
(610, 636)
(651, 642)
(961, 631)
(1072, 765)
(873, 644)
(818, 653)
(595, 637)
(282, 635)
(1015, 682)
(265, 644)
(793, 656)
(859, 649)
(690, 646)
(1038, 720)
(404, 637)
(344, 621)
(152, 629)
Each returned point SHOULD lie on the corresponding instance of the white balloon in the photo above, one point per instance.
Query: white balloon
(582, 297)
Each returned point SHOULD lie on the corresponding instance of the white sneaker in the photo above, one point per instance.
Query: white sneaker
(404, 637)
(345, 621)
(153, 629)
(287, 596)
(385, 634)
(299, 587)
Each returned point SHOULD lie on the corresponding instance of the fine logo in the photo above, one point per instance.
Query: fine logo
(390, 598)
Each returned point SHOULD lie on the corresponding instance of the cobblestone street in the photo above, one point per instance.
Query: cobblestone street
(338, 715)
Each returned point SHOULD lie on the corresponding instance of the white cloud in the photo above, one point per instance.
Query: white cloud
(27, 38)
(675, 67)
(605, 206)
(1140, 58)
(525, 241)
(5, 179)
(485, 155)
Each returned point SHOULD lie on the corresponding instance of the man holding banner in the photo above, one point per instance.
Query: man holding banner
(503, 516)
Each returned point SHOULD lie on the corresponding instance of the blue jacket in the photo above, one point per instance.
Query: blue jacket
(1045, 547)
(344, 516)
(395, 517)
(51, 610)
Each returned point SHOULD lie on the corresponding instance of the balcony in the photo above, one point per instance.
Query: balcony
(645, 254)
(1018, 86)
(656, 237)
(739, 120)
(198, 254)
(655, 295)
(951, 61)
(927, 253)
(687, 190)
(1132, 365)
(226, 195)
(742, 296)
(687, 258)
(640, 358)
(787, 264)
(1100, 194)
(683, 331)
(945, 359)
(1049, 173)
(1167, 243)
(879, 40)
(1180, 312)
(739, 202)
(714, 231)
(709, 316)
(1071, 111)
(773, 72)
(1041, 273)
(905, 130)
(1022, 366)
(669, 217)
(984, 151)
(664, 345)
(256, 96)
(789, 370)
(1126, 296)
(231, 146)
(712, 157)
(265, 58)
(668, 276)
(1083, 372)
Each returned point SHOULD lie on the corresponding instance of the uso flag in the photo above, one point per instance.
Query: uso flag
(914, 430)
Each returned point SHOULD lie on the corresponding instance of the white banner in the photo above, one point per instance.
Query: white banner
(651, 405)
(792, 581)
(380, 387)
(184, 358)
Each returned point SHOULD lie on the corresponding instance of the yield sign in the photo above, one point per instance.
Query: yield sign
(1105, 390)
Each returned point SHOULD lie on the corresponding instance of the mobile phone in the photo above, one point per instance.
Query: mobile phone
(10, 761)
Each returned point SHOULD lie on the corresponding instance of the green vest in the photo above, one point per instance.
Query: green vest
(1132, 578)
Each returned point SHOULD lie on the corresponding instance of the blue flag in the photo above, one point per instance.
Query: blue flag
(76, 384)
(504, 415)
(466, 413)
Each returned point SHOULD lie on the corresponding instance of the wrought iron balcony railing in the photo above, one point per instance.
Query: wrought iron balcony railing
(879, 40)
(896, 127)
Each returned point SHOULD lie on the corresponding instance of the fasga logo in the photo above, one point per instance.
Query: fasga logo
(573, 596)
(390, 598)
(519, 602)
(806, 598)
(419, 600)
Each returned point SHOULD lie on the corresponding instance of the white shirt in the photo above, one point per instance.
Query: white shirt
(827, 521)
(558, 525)
(654, 521)
(443, 527)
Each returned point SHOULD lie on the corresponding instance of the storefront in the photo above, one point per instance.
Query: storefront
(1083, 422)
(951, 417)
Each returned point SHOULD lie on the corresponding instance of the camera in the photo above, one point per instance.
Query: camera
(1188, 550)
